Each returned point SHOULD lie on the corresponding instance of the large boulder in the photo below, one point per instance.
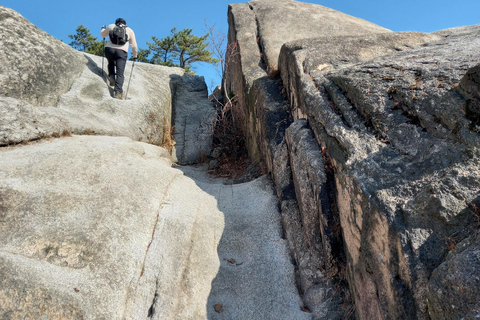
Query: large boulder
(79, 218)
(395, 121)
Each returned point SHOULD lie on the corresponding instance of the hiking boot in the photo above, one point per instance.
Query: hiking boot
(111, 81)
(117, 95)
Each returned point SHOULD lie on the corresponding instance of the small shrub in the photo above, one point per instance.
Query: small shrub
(273, 72)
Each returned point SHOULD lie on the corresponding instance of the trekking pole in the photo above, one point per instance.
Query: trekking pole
(128, 86)
(103, 59)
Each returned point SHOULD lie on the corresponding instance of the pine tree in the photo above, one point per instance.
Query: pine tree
(192, 48)
(95, 48)
(181, 49)
(82, 40)
(142, 55)
(164, 50)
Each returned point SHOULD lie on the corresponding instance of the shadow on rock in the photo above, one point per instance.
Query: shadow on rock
(256, 276)
(92, 66)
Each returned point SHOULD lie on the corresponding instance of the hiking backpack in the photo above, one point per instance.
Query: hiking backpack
(119, 34)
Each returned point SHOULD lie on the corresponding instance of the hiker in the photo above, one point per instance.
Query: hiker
(116, 52)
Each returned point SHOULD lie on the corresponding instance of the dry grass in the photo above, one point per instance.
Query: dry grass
(233, 161)
(168, 140)
(273, 72)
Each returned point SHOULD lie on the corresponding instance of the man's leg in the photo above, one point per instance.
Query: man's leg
(110, 55)
(121, 61)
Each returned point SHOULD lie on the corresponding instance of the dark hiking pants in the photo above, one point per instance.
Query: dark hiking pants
(117, 59)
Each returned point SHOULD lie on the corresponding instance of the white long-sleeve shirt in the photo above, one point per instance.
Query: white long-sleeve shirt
(131, 40)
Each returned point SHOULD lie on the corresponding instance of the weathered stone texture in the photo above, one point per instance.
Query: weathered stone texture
(396, 130)
(395, 117)
(193, 118)
(35, 67)
(454, 286)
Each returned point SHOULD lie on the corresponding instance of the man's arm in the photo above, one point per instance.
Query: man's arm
(105, 32)
(133, 43)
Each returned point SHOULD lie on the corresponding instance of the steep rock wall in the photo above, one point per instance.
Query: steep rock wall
(394, 118)
(405, 197)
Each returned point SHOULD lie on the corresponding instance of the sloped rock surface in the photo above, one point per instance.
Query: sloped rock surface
(80, 217)
(40, 67)
(88, 108)
(256, 277)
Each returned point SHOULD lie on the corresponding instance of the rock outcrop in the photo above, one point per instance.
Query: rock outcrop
(372, 139)
(256, 34)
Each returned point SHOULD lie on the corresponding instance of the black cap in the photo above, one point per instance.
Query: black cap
(120, 21)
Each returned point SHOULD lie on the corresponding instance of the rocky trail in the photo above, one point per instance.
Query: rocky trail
(369, 207)
(256, 277)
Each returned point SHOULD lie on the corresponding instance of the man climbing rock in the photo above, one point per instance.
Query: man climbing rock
(116, 52)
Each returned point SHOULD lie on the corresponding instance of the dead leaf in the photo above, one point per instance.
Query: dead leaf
(231, 261)
(218, 307)
(305, 309)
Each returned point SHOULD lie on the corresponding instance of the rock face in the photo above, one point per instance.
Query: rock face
(380, 158)
(48, 71)
(194, 115)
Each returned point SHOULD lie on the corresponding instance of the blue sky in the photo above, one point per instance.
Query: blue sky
(156, 18)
